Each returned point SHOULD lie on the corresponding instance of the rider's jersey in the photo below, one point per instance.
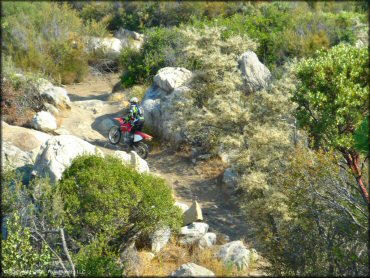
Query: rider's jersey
(136, 113)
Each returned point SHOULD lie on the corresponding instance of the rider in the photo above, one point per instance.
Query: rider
(136, 117)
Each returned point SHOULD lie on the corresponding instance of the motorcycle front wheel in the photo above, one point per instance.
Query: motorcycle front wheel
(141, 149)
(114, 135)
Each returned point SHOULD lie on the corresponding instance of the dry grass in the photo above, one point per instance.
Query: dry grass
(175, 255)
(211, 168)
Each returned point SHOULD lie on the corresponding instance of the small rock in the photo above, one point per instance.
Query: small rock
(207, 240)
(182, 206)
(236, 253)
(57, 96)
(193, 214)
(159, 239)
(169, 78)
(204, 156)
(193, 232)
(51, 108)
(192, 270)
(44, 121)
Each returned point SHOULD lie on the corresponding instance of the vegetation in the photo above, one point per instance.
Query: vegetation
(299, 146)
(101, 206)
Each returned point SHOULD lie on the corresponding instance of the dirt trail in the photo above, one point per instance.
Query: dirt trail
(89, 103)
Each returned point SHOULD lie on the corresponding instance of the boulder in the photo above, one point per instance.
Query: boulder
(109, 46)
(132, 159)
(26, 139)
(57, 96)
(44, 121)
(129, 38)
(138, 163)
(51, 109)
(192, 270)
(159, 239)
(105, 125)
(193, 214)
(182, 206)
(256, 75)
(192, 233)
(57, 154)
(207, 240)
(41, 85)
(230, 179)
(160, 108)
(236, 253)
(13, 157)
(169, 78)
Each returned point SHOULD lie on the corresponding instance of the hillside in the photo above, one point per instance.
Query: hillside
(259, 159)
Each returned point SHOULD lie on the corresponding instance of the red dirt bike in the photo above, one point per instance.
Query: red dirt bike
(115, 133)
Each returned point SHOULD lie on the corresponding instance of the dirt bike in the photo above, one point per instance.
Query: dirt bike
(116, 132)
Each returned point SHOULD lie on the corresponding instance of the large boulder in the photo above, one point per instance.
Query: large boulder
(235, 253)
(256, 75)
(109, 46)
(13, 157)
(159, 239)
(129, 38)
(44, 121)
(57, 96)
(132, 159)
(169, 78)
(193, 214)
(26, 139)
(192, 233)
(160, 108)
(57, 154)
(192, 270)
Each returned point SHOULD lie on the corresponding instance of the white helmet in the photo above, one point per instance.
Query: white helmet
(134, 100)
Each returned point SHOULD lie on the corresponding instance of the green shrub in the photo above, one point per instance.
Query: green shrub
(18, 255)
(103, 196)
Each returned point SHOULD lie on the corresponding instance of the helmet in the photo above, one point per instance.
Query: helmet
(134, 100)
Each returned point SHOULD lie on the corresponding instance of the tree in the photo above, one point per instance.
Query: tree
(332, 100)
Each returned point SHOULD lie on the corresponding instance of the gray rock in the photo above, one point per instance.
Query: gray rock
(169, 78)
(192, 233)
(132, 159)
(207, 240)
(130, 38)
(236, 253)
(192, 270)
(193, 214)
(51, 109)
(159, 239)
(57, 154)
(13, 157)
(230, 179)
(44, 121)
(256, 75)
(41, 85)
(182, 206)
(105, 125)
(57, 96)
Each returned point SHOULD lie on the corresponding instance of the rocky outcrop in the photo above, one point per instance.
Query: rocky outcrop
(57, 96)
(44, 121)
(159, 239)
(192, 270)
(170, 78)
(236, 253)
(13, 157)
(190, 234)
(256, 75)
(132, 159)
(163, 99)
(129, 38)
(57, 154)
(111, 47)
(27, 140)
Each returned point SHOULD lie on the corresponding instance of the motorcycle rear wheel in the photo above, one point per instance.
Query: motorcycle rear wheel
(141, 149)
(114, 135)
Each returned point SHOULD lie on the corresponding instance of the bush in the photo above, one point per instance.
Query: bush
(102, 196)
